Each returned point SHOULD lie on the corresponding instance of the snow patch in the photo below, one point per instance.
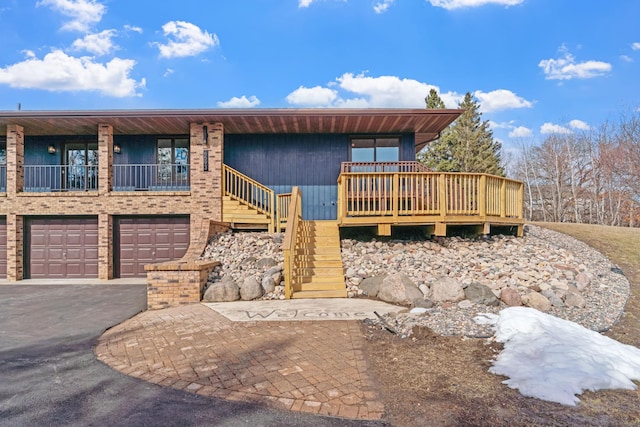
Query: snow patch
(554, 359)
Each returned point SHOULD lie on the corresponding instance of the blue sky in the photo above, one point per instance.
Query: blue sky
(536, 66)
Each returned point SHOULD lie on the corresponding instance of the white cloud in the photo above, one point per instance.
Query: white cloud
(241, 102)
(626, 58)
(363, 91)
(168, 72)
(98, 43)
(500, 99)
(579, 124)
(553, 128)
(566, 68)
(635, 46)
(58, 72)
(186, 39)
(316, 96)
(133, 28)
(383, 5)
(520, 132)
(459, 4)
(304, 3)
(83, 13)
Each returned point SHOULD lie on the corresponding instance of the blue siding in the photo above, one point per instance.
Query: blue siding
(408, 147)
(136, 149)
(312, 162)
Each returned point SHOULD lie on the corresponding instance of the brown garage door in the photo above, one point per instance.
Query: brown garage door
(147, 240)
(3, 248)
(62, 247)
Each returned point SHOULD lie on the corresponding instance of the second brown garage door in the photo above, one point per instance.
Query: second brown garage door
(147, 240)
(62, 247)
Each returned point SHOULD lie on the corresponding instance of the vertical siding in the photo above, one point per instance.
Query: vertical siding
(311, 162)
(408, 147)
(135, 149)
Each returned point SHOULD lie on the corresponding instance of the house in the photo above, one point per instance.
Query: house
(103, 194)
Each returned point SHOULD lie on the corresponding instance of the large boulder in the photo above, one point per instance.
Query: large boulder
(268, 284)
(224, 291)
(399, 289)
(250, 289)
(511, 297)
(371, 285)
(480, 294)
(537, 301)
(582, 281)
(446, 289)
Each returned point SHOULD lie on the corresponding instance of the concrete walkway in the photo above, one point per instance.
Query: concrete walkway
(261, 356)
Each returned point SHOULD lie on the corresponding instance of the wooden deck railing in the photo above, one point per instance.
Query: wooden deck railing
(240, 187)
(347, 167)
(446, 196)
(282, 210)
(291, 241)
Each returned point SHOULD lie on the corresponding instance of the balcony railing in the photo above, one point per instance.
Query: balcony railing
(412, 166)
(406, 196)
(3, 178)
(55, 178)
(151, 177)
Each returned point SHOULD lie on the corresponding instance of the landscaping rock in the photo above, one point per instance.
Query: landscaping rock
(371, 285)
(447, 289)
(582, 281)
(250, 289)
(399, 289)
(268, 284)
(511, 297)
(224, 291)
(480, 294)
(264, 263)
(575, 300)
(537, 301)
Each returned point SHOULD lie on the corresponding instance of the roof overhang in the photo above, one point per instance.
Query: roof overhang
(426, 124)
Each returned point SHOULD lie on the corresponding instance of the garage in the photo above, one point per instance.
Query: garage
(146, 240)
(3, 248)
(59, 248)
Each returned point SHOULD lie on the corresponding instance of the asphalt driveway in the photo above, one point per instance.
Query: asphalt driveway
(50, 376)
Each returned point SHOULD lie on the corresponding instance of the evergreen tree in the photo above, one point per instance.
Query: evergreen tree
(465, 146)
(438, 154)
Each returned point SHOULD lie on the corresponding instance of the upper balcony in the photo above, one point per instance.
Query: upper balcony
(141, 177)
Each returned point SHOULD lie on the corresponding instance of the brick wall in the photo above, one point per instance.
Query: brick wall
(176, 283)
(202, 203)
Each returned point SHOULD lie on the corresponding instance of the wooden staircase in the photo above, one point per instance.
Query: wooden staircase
(241, 215)
(318, 262)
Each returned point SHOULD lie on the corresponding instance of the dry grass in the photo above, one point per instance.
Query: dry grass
(443, 381)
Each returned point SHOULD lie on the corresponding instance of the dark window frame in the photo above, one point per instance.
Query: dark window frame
(375, 146)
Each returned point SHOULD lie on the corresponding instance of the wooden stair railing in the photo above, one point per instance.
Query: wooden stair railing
(312, 259)
(291, 241)
(282, 211)
(250, 192)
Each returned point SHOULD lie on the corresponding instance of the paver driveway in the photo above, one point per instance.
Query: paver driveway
(50, 376)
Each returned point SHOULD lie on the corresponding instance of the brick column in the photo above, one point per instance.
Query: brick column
(105, 246)
(15, 160)
(206, 151)
(105, 158)
(15, 239)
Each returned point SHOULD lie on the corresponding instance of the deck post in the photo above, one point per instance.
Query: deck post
(442, 198)
(503, 199)
(395, 197)
(482, 197)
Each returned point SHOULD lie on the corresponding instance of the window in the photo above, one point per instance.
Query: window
(173, 160)
(375, 149)
(80, 166)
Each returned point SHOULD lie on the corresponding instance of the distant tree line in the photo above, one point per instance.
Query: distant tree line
(591, 177)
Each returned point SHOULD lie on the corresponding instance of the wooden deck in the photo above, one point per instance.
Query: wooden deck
(401, 197)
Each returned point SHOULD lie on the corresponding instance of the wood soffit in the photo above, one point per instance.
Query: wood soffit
(426, 124)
